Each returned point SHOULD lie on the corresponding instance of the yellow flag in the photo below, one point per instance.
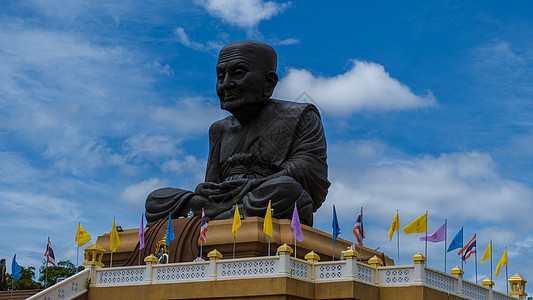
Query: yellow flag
(82, 236)
(114, 240)
(236, 221)
(487, 253)
(503, 262)
(395, 226)
(267, 223)
(417, 226)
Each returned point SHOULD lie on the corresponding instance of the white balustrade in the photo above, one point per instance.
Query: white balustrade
(300, 268)
(183, 272)
(120, 276)
(250, 267)
(365, 273)
(500, 296)
(441, 281)
(267, 267)
(476, 292)
(329, 270)
(395, 275)
(70, 288)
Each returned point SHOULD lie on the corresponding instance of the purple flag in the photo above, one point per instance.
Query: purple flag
(141, 233)
(437, 236)
(295, 225)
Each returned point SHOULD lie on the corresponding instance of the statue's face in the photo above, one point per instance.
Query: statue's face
(241, 78)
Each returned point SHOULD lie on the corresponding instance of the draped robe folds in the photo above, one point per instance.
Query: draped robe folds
(279, 156)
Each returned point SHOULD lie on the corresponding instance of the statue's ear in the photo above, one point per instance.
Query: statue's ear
(271, 81)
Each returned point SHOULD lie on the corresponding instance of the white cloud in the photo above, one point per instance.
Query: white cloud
(191, 115)
(166, 69)
(462, 187)
(148, 147)
(184, 39)
(366, 86)
(243, 13)
(43, 211)
(285, 42)
(189, 164)
(135, 194)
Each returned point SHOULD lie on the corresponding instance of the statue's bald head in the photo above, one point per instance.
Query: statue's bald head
(258, 52)
(246, 77)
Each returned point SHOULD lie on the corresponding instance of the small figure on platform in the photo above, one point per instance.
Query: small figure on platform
(265, 150)
(3, 279)
(161, 251)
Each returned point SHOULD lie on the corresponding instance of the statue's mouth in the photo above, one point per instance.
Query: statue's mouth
(231, 96)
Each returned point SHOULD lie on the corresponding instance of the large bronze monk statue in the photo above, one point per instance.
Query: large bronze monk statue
(265, 150)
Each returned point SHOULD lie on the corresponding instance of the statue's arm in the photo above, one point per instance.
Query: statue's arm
(306, 162)
(212, 173)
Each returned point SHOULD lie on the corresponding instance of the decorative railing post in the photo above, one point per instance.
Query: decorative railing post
(375, 262)
(213, 256)
(150, 261)
(419, 274)
(312, 257)
(518, 286)
(457, 272)
(489, 284)
(351, 257)
(93, 261)
(284, 259)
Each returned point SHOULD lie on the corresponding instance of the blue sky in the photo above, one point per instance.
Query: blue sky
(426, 106)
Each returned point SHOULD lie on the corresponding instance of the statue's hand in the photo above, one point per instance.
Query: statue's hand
(222, 191)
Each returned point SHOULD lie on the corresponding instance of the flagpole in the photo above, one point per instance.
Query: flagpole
(46, 267)
(271, 214)
(12, 286)
(78, 248)
(398, 238)
(462, 245)
(475, 257)
(233, 247)
(46, 273)
(362, 232)
(490, 260)
(507, 279)
(426, 237)
(294, 247)
(445, 242)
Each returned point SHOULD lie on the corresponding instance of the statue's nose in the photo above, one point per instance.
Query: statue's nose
(228, 82)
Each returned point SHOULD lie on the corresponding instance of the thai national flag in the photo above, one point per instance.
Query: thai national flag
(468, 249)
(358, 230)
(49, 253)
(203, 229)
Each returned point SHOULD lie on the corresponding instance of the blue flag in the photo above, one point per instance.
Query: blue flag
(457, 241)
(170, 231)
(15, 269)
(336, 229)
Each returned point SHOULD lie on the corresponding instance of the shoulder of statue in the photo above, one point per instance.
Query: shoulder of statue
(218, 127)
(296, 109)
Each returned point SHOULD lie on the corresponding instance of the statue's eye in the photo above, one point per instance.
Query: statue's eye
(220, 76)
(239, 73)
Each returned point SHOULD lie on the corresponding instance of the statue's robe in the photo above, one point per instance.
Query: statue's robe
(279, 156)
